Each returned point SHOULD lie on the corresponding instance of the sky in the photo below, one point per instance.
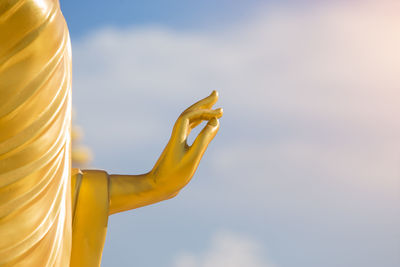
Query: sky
(305, 168)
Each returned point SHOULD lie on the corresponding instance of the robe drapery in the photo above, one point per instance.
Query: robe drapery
(43, 222)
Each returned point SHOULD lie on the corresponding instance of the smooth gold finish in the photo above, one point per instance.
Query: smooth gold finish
(35, 119)
(50, 214)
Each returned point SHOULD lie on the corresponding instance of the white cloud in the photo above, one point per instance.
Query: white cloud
(310, 133)
(226, 249)
(336, 65)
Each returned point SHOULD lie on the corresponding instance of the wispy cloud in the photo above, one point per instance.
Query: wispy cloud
(226, 249)
(310, 135)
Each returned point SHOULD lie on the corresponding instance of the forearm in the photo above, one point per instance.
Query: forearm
(133, 191)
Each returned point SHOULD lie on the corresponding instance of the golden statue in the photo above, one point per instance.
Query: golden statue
(50, 214)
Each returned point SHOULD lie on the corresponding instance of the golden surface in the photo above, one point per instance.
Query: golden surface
(35, 100)
(50, 215)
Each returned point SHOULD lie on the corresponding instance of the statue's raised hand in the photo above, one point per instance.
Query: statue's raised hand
(179, 161)
(176, 165)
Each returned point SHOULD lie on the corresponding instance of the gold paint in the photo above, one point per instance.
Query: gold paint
(50, 214)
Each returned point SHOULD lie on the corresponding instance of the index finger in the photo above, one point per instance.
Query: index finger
(207, 102)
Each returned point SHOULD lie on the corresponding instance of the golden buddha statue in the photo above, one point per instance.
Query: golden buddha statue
(50, 214)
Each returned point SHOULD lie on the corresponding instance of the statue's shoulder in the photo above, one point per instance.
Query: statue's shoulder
(22, 21)
(9, 8)
(23, 15)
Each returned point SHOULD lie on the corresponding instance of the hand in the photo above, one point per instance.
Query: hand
(179, 161)
(176, 165)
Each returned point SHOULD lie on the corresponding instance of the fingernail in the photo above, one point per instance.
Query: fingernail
(214, 92)
(213, 122)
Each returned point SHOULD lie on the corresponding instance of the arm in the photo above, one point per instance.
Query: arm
(176, 165)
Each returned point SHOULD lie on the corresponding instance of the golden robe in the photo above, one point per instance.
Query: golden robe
(41, 217)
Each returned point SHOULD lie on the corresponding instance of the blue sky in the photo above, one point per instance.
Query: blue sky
(84, 16)
(304, 170)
